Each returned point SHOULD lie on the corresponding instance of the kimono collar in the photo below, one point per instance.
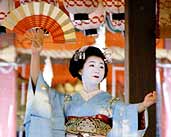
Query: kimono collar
(87, 95)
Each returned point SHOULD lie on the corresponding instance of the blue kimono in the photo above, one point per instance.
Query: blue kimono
(48, 110)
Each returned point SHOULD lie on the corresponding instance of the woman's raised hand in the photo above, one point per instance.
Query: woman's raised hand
(36, 36)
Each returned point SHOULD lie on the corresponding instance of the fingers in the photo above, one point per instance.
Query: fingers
(150, 99)
(30, 34)
(149, 95)
(36, 35)
(153, 93)
(153, 96)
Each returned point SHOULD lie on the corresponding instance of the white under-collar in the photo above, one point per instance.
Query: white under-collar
(87, 95)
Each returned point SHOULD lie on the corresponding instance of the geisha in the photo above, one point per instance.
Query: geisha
(87, 113)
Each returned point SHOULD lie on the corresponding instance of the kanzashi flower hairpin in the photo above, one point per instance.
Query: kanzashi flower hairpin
(80, 54)
(108, 55)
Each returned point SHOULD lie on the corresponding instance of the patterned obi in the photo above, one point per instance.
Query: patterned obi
(93, 125)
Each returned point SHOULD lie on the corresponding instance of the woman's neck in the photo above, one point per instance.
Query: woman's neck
(90, 87)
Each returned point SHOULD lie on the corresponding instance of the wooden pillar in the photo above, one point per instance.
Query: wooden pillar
(140, 54)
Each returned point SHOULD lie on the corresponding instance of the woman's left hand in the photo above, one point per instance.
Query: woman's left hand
(150, 99)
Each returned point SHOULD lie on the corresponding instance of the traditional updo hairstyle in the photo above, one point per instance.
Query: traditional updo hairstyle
(80, 56)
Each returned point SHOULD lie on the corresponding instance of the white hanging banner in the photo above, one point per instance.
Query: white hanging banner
(166, 104)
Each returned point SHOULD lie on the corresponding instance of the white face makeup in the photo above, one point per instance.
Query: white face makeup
(93, 71)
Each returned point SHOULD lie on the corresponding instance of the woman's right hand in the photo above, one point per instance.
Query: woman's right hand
(36, 36)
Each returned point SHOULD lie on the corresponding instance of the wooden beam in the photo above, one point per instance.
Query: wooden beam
(140, 54)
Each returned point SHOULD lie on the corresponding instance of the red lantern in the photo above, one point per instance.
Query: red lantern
(80, 8)
(90, 26)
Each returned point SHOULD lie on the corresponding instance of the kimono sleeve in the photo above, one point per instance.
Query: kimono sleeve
(57, 117)
(142, 131)
(37, 121)
(125, 121)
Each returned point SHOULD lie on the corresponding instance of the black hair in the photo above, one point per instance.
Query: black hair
(77, 64)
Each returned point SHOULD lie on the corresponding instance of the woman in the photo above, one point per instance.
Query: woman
(88, 113)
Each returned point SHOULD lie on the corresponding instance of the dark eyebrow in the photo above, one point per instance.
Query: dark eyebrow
(91, 61)
(102, 63)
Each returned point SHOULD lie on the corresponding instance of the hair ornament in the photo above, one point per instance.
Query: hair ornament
(108, 55)
(80, 54)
